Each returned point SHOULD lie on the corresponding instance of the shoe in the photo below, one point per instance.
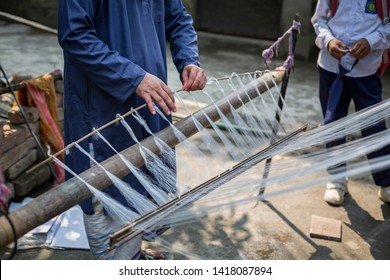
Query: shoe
(335, 193)
(151, 254)
(384, 194)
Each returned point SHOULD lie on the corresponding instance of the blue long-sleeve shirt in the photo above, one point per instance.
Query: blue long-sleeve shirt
(108, 48)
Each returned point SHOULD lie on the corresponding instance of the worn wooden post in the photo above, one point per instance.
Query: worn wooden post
(73, 191)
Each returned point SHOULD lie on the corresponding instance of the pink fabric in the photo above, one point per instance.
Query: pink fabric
(41, 94)
(4, 194)
(268, 54)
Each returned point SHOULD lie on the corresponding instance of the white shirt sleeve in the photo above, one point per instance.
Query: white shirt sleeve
(380, 40)
(320, 23)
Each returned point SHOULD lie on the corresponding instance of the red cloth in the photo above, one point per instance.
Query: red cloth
(41, 94)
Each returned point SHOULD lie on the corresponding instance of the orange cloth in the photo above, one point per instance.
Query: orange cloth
(41, 94)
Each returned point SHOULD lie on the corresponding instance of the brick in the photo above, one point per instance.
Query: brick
(12, 138)
(40, 156)
(60, 100)
(15, 115)
(19, 167)
(28, 182)
(11, 188)
(59, 85)
(325, 228)
(34, 127)
(24, 184)
(13, 155)
(41, 174)
(60, 114)
(6, 101)
(16, 134)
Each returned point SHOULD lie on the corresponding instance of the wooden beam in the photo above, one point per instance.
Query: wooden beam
(21, 86)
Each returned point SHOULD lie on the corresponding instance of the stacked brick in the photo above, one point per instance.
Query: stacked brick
(19, 151)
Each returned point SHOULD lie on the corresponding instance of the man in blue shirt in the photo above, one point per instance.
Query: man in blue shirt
(351, 44)
(115, 59)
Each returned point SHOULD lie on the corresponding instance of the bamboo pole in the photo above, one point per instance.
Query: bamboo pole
(73, 191)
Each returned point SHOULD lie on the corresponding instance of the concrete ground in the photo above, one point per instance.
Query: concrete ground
(277, 229)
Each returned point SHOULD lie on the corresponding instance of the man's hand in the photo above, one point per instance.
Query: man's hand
(153, 89)
(337, 49)
(193, 78)
(360, 49)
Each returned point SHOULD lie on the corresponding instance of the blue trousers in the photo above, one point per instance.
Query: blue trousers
(365, 92)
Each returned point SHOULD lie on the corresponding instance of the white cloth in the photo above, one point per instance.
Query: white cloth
(354, 20)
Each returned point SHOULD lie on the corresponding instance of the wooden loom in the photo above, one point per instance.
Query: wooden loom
(73, 191)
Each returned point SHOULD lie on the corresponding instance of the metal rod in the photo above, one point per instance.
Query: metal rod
(267, 166)
(72, 192)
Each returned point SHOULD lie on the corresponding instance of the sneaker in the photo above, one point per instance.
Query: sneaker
(384, 194)
(335, 192)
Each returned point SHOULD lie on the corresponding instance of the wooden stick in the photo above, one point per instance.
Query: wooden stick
(132, 111)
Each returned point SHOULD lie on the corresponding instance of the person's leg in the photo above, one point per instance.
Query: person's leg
(326, 80)
(98, 228)
(367, 91)
(335, 189)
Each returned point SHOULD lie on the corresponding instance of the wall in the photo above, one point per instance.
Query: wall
(305, 48)
(240, 18)
(261, 19)
(270, 24)
(42, 11)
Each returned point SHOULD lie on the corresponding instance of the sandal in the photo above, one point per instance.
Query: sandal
(150, 254)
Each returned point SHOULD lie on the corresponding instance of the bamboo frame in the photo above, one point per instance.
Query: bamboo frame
(73, 191)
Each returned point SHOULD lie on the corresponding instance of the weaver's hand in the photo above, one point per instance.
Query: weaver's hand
(153, 89)
(193, 78)
(360, 49)
(337, 49)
